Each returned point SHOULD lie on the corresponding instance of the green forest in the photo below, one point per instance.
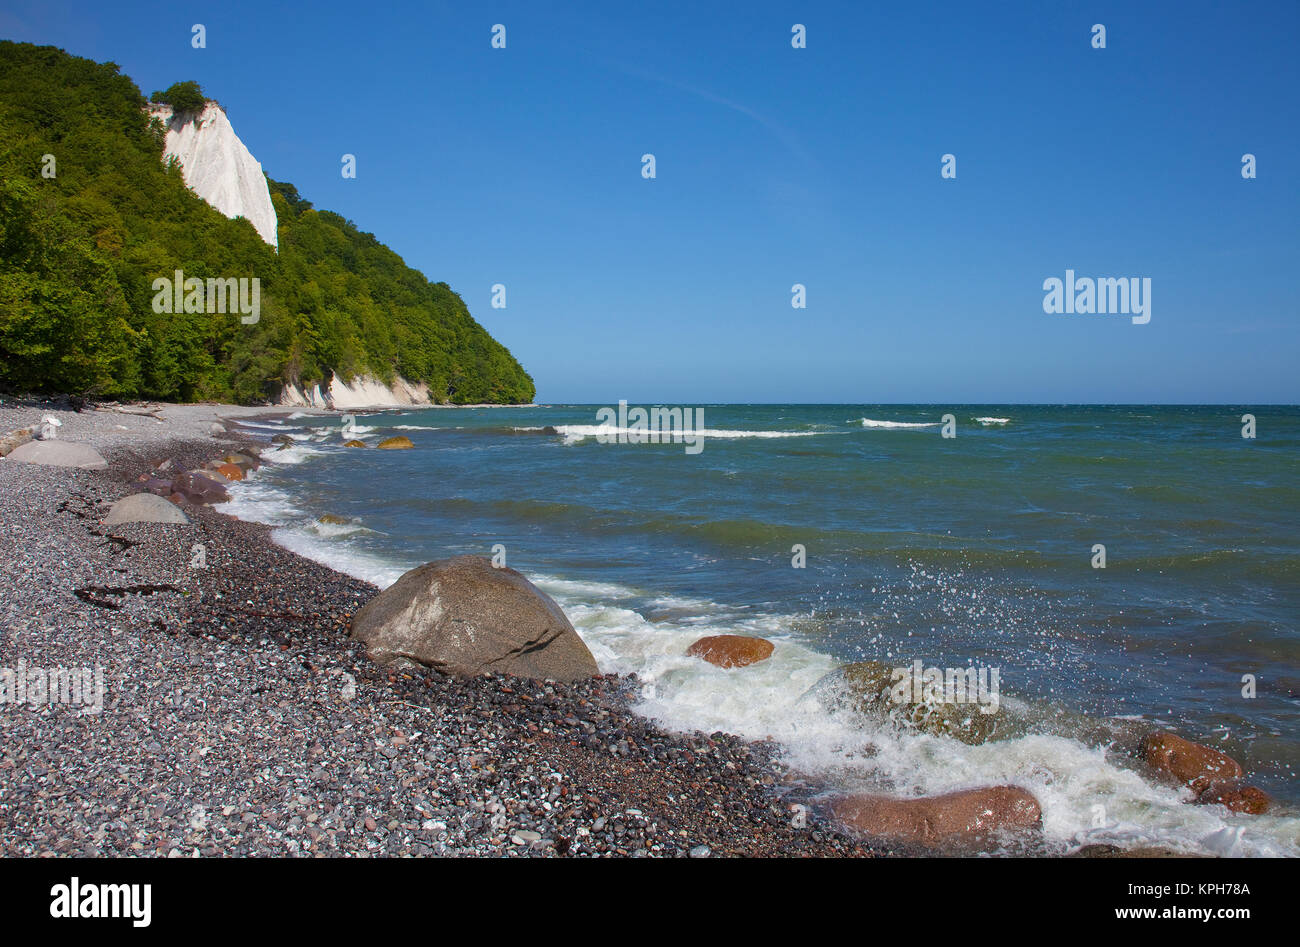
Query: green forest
(90, 217)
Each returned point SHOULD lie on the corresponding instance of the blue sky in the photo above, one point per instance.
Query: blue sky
(778, 166)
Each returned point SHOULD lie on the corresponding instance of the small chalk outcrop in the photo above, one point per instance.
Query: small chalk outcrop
(364, 391)
(217, 166)
(59, 454)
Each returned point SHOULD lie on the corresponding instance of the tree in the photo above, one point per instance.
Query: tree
(181, 96)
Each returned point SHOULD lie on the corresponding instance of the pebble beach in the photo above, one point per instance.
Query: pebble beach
(239, 718)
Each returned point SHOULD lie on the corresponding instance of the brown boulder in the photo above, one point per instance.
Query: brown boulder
(462, 616)
(230, 471)
(1187, 762)
(731, 651)
(199, 488)
(1235, 798)
(956, 819)
(243, 461)
(355, 443)
(395, 443)
(157, 486)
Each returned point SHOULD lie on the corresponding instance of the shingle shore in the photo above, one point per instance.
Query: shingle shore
(240, 719)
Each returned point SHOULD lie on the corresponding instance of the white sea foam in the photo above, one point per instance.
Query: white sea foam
(1087, 796)
(573, 433)
(872, 422)
(294, 453)
(770, 700)
(298, 531)
(987, 421)
(368, 567)
(338, 530)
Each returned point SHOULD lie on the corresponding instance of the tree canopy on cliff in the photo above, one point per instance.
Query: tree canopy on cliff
(181, 96)
(90, 217)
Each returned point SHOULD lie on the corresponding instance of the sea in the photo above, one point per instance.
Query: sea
(1133, 564)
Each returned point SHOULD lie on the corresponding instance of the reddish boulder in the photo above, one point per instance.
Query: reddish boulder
(241, 460)
(955, 819)
(157, 486)
(1187, 762)
(230, 471)
(198, 488)
(731, 651)
(1235, 798)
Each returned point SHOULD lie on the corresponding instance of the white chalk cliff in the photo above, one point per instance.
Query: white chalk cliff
(364, 392)
(217, 166)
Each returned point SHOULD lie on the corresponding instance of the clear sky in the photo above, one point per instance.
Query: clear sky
(777, 166)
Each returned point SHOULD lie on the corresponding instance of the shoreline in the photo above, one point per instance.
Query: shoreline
(239, 718)
(259, 607)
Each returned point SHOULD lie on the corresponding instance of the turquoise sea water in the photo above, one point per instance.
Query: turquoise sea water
(976, 549)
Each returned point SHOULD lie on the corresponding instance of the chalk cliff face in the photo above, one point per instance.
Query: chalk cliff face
(363, 392)
(217, 166)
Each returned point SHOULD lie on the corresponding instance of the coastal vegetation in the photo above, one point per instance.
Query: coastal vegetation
(90, 217)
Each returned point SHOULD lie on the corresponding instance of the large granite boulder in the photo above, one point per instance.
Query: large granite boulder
(144, 508)
(462, 616)
(59, 454)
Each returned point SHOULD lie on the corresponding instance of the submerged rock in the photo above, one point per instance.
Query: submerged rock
(395, 443)
(1189, 763)
(956, 819)
(731, 651)
(333, 520)
(1236, 798)
(871, 688)
(355, 443)
(1102, 850)
(144, 508)
(282, 439)
(242, 460)
(462, 616)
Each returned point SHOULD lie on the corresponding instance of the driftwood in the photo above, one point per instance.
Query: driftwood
(141, 410)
